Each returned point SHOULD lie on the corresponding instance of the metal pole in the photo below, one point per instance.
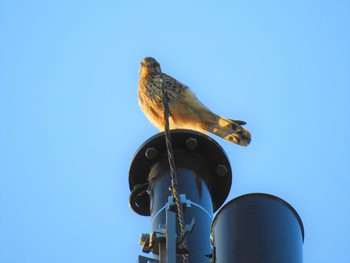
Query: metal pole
(170, 237)
(204, 176)
(257, 228)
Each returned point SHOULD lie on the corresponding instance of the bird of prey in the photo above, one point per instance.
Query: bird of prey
(186, 111)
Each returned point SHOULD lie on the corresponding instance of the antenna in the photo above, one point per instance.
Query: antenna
(251, 228)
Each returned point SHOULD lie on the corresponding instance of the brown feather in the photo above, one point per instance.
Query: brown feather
(186, 111)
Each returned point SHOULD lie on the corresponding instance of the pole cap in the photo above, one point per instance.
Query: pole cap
(150, 151)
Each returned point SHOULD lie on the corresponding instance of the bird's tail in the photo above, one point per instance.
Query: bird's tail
(228, 129)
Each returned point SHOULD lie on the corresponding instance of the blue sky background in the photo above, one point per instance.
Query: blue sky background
(70, 122)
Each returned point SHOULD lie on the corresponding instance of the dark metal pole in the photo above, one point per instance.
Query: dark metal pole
(170, 239)
(204, 176)
(257, 228)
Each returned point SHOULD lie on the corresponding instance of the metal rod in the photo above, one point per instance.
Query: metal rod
(170, 236)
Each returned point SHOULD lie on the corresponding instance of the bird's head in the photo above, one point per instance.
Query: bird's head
(149, 66)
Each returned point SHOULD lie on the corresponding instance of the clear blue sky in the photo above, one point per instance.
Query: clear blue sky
(70, 122)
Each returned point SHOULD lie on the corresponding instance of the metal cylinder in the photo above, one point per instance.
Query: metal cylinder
(204, 177)
(197, 206)
(257, 228)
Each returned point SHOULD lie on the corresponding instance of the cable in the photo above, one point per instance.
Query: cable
(174, 182)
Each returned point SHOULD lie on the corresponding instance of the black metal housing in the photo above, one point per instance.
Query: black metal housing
(257, 228)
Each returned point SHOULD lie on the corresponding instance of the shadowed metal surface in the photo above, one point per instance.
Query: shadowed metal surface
(257, 228)
(214, 167)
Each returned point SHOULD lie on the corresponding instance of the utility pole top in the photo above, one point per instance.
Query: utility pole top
(186, 145)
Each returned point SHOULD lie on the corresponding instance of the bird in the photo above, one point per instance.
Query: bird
(185, 110)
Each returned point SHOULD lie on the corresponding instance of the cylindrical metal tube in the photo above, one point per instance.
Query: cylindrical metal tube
(197, 206)
(257, 228)
(204, 180)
